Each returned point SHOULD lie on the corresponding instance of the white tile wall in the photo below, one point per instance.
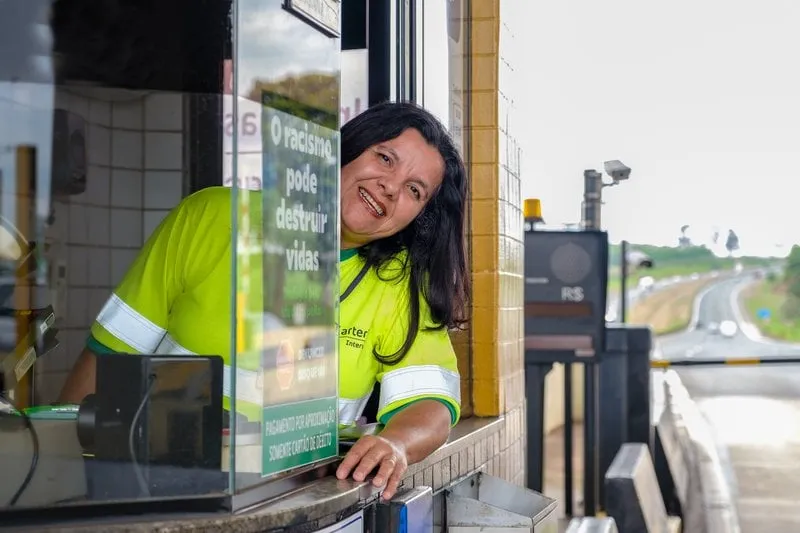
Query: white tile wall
(163, 112)
(161, 187)
(163, 151)
(126, 188)
(135, 176)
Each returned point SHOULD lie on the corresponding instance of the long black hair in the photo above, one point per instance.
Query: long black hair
(434, 241)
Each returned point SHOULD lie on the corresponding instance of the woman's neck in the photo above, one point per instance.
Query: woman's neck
(345, 254)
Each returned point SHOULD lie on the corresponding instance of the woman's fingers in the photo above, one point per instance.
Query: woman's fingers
(387, 468)
(370, 460)
(353, 458)
(394, 481)
(369, 453)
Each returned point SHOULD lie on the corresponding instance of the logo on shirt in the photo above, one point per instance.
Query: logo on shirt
(353, 337)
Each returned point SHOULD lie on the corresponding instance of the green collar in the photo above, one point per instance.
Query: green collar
(344, 255)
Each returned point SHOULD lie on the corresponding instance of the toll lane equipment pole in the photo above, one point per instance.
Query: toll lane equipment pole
(591, 439)
(613, 405)
(568, 440)
(623, 286)
(535, 374)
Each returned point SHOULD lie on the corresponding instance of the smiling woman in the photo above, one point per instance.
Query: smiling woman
(404, 278)
(387, 187)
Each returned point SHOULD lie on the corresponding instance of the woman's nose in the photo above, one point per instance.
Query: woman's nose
(389, 186)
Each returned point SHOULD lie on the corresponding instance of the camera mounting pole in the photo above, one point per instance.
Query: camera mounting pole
(593, 191)
(592, 199)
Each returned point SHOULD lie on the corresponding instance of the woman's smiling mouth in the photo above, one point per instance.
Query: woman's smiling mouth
(376, 208)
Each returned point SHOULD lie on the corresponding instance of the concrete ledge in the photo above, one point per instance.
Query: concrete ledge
(476, 439)
(710, 507)
(633, 497)
(670, 454)
(474, 445)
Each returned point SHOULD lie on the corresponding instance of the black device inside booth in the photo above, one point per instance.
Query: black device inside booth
(153, 428)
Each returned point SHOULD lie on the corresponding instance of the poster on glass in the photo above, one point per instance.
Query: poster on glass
(300, 198)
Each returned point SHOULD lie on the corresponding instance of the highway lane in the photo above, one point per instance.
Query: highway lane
(754, 411)
(636, 292)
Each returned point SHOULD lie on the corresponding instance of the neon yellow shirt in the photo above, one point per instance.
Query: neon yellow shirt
(176, 299)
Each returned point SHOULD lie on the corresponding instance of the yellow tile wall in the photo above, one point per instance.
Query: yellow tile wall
(496, 378)
(496, 222)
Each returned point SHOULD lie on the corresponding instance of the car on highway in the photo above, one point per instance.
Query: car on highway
(728, 328)
(646, 283)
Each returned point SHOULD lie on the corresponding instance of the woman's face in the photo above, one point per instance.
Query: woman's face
(387, 186)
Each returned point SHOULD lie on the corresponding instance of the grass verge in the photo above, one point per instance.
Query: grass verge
(668, 310)
(770, 296)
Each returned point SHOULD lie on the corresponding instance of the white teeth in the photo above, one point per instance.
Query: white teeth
(366, 196)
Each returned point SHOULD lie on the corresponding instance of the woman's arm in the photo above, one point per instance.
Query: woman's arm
(81, 379)
(420, 429)
(411, 435)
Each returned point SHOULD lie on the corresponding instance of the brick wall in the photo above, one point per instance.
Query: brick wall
(135, 176)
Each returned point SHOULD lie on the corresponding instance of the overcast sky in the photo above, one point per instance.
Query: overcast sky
(701, 99)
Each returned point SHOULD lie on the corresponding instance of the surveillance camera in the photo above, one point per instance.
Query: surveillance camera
(617, 170)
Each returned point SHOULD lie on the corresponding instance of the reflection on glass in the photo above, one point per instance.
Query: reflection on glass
(287, 246)
(109, 117)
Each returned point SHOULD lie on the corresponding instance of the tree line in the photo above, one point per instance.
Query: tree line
(791, 278)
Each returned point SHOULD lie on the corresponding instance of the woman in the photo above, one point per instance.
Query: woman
(403, 285)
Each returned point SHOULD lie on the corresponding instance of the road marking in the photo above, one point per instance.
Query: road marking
(694, 350)
(696, 306)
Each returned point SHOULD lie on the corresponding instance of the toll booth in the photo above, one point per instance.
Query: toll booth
(566, 280)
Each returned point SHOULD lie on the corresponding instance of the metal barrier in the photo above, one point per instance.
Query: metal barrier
(735, 361)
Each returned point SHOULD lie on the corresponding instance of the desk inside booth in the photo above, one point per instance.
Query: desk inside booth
(155, 428)
(180, 479)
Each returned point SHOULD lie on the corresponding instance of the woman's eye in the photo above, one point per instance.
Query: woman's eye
(385, 158)
(415, 192)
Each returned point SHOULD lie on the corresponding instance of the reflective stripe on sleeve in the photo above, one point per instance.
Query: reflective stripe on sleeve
(351, 410)
(126, 324)
(416, 381)
(248, 382)
(248, 385)
(169, 346)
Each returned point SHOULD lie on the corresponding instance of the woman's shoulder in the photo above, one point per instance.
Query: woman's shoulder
(208, 200)
(213, 206)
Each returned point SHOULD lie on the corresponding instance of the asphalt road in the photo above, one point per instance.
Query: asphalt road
(754, 411)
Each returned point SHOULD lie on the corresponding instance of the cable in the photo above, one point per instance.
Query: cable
(34, 459)
(131, 434)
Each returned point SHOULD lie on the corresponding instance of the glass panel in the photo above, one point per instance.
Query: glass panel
(445, 41)
(287, 86)
(102, 106)
(355, 83)
(355, 60)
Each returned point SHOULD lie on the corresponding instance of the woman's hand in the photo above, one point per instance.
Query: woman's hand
(371, 451)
